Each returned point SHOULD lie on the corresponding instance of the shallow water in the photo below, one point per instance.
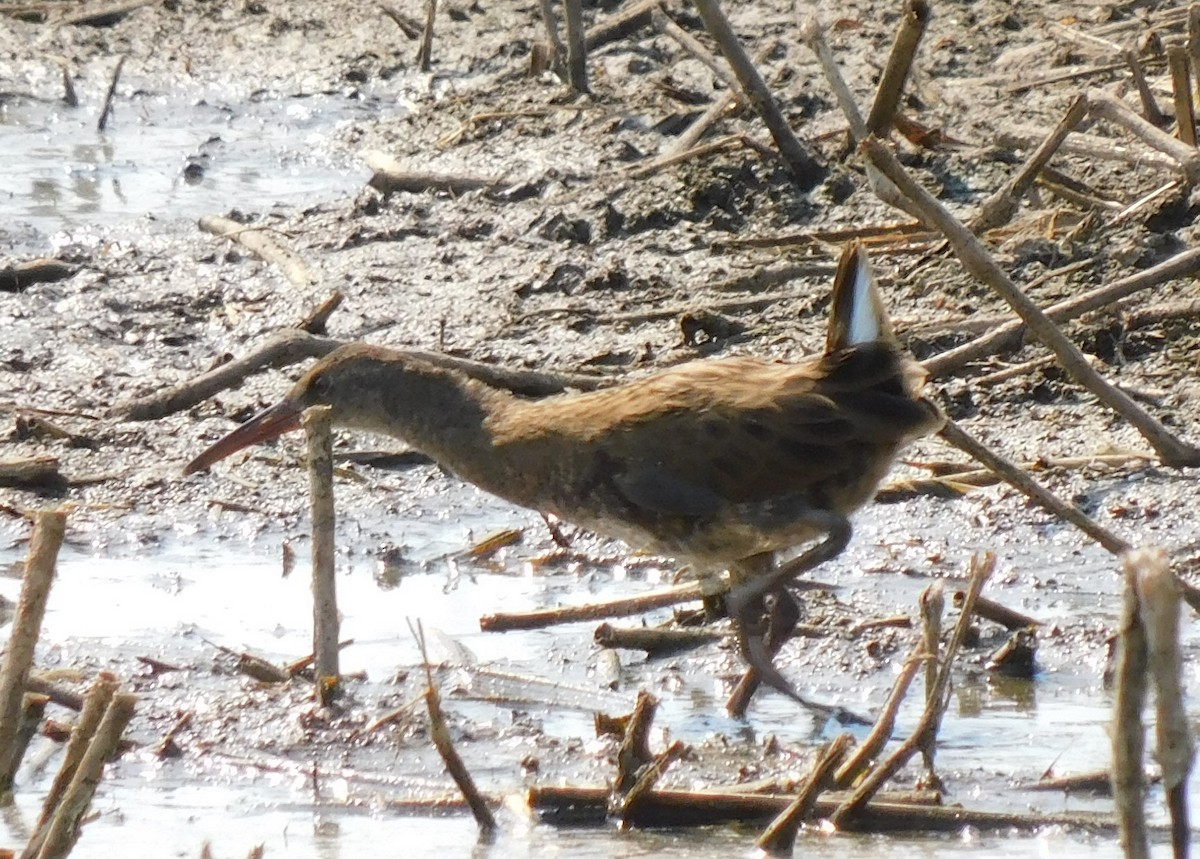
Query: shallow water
(165, 158)
(188, 596)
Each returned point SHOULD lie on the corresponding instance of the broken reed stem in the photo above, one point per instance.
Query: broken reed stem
(505, 621)
(1185, 263)
(976, 260)
(999, 208)
(654, 640)
(692, 45)
(1010, 619)
(263, 245)
(576, 47)
(807, 172)
(933, 604)
(779, 837)
(1150, 110)
(1110, 108)
(1017, 477)
(318, 427)
(63, 829)
(1128, 737)
(869, 748)
(49, 527)
(1193, 48)
(1158, 595)
(33, 708)
(814, 37)
(557, 50)
(649, 777)
(913, 22)
(425, 52)
(1181, 83)
(925, 734)
(634, 751)
(106, 109)
(440, 734)
(690, 137)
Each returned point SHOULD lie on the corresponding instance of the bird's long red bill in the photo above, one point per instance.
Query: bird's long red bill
(267, 424)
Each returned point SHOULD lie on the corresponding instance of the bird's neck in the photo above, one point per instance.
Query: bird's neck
(440, 412)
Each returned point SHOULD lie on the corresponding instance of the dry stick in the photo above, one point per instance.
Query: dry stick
(48, 530)
(440, 734)
(805, 169)
(1149, 106)
(316, 321)
(1128, 735)
(557, 50)
(999, 208)
(814, 37)
(1089, 146)
(576, 46)
(926, 731)
(1019, 478)
(318, 427)
(60, 696)
(913, 21)
(870, 747)
(33, 708)
(692, 45)
(933, 604)
(634, 752)
(1193, 46)
(408, 25)
(94, 706)
(998, 339)
(655, 640)
(1158, 598)
(1185, 111)
(1107, 106)
(390, 176)
(975, 258)
(649, 777)
(1010, 619)
(505, 621)
(686, 142)
(425, 52)
(64, 827)
(574, 805)
(106, 110)
(779, 837)
(262, 245)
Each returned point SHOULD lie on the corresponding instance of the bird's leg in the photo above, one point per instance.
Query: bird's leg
(745, 606)
(782, 620)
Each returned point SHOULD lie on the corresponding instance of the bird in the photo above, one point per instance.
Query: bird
(722, 463)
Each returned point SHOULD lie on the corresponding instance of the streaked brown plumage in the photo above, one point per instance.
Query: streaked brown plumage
(720, 462)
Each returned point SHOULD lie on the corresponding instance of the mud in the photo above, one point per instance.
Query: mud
(575, 264)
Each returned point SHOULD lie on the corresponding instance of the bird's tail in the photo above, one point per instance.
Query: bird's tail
(857, 315)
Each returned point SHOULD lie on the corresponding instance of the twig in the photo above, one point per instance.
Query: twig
(264, 246)
(318, 426)
(106, 110)
(1021, 480)
(64, 826)
(1185, 111)
(1174, 452)
(408, 25)
(576, 46)
(48, 531)
(913, 22)
(926, 731)
(425, 52)
(1111, 108)
(1128, 735)
(692, 45)
(780, 836)
(1158, 600)
(1149, 106)
(805, 169)
(506, 621)
(1185, 263)
(870, 747)
(1009, 618)
(1002, 205)
(440, 735)
(634, 752)
(390, 176)
(316, 321)
(649, 777)
(654, 641)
